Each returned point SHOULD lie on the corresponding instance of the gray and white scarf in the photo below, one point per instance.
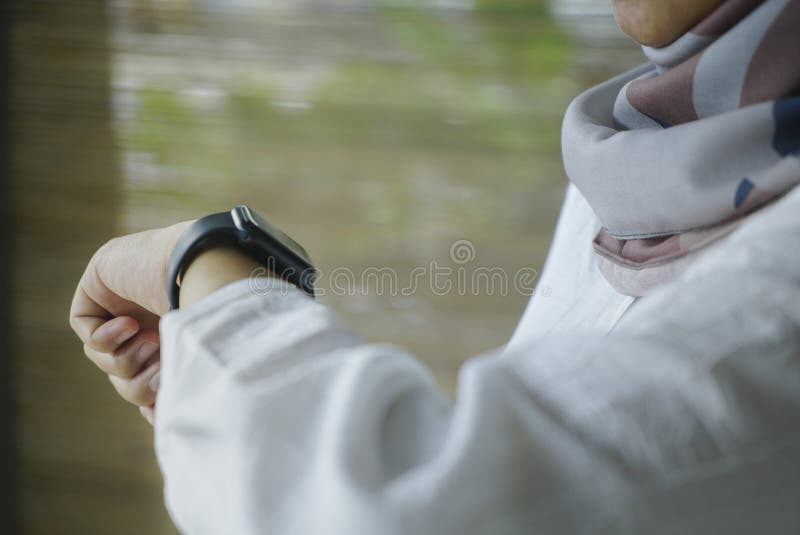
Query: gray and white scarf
(673, 154)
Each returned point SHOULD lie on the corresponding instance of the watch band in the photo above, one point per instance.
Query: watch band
(209, 231)
(245, 230)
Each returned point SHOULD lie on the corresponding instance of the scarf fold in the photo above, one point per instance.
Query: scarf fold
(673, 154)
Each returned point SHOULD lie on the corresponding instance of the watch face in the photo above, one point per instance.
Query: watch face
(242, 215)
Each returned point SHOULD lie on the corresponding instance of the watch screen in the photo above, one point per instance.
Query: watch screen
(276, 233)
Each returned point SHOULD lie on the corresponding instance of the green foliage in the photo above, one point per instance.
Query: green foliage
(488, 81)
(536, 8)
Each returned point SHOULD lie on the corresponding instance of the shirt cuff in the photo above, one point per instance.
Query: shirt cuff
(275, 294)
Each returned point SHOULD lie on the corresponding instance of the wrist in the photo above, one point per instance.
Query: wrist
(232, 245)
(163, 242)
(211, 270)
(169, 237)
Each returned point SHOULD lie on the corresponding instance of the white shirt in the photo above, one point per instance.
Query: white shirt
(572, 293)
(683, 416)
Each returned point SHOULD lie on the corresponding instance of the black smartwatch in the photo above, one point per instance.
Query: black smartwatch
(245, 230)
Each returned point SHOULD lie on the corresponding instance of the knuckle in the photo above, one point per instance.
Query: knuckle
(123, 387)
(93, 355)
(124, 367)
(99, 359)
(131, 390)
(101, 253)
(112, 368)
(96, 349)
(110, 244)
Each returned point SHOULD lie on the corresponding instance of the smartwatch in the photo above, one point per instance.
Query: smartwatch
(243, 229)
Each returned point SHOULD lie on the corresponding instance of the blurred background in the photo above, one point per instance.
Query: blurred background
(375, 132)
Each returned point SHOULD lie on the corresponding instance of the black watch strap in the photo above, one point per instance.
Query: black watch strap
(248, 232)
(210, 231)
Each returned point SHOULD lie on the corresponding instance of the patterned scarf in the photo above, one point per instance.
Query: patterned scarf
(672, 155)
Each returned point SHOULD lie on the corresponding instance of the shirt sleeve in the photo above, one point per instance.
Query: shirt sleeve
(274, 418)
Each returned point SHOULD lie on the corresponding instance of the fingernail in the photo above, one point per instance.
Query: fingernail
(124, 335)
(146, 350)
(155, 381)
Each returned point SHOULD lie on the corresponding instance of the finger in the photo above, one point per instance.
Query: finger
(111, 334)
(129, 359)
(148, 413)
(85, 315)
(96, 327)
(88, 318)
(141, 389)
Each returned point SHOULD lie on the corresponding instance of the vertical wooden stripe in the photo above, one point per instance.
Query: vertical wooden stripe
(8, 456)
(86, 460)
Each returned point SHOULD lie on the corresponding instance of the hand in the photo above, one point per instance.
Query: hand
(116, 308)
(122, 295)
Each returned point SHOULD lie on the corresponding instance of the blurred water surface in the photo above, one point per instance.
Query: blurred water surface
(375, 133)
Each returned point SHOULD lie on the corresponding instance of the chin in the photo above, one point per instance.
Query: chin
(657, 23)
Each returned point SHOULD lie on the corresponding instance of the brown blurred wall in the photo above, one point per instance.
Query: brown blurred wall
(8, 502)
(84, 458)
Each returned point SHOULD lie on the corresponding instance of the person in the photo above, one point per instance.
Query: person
(654, 389)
